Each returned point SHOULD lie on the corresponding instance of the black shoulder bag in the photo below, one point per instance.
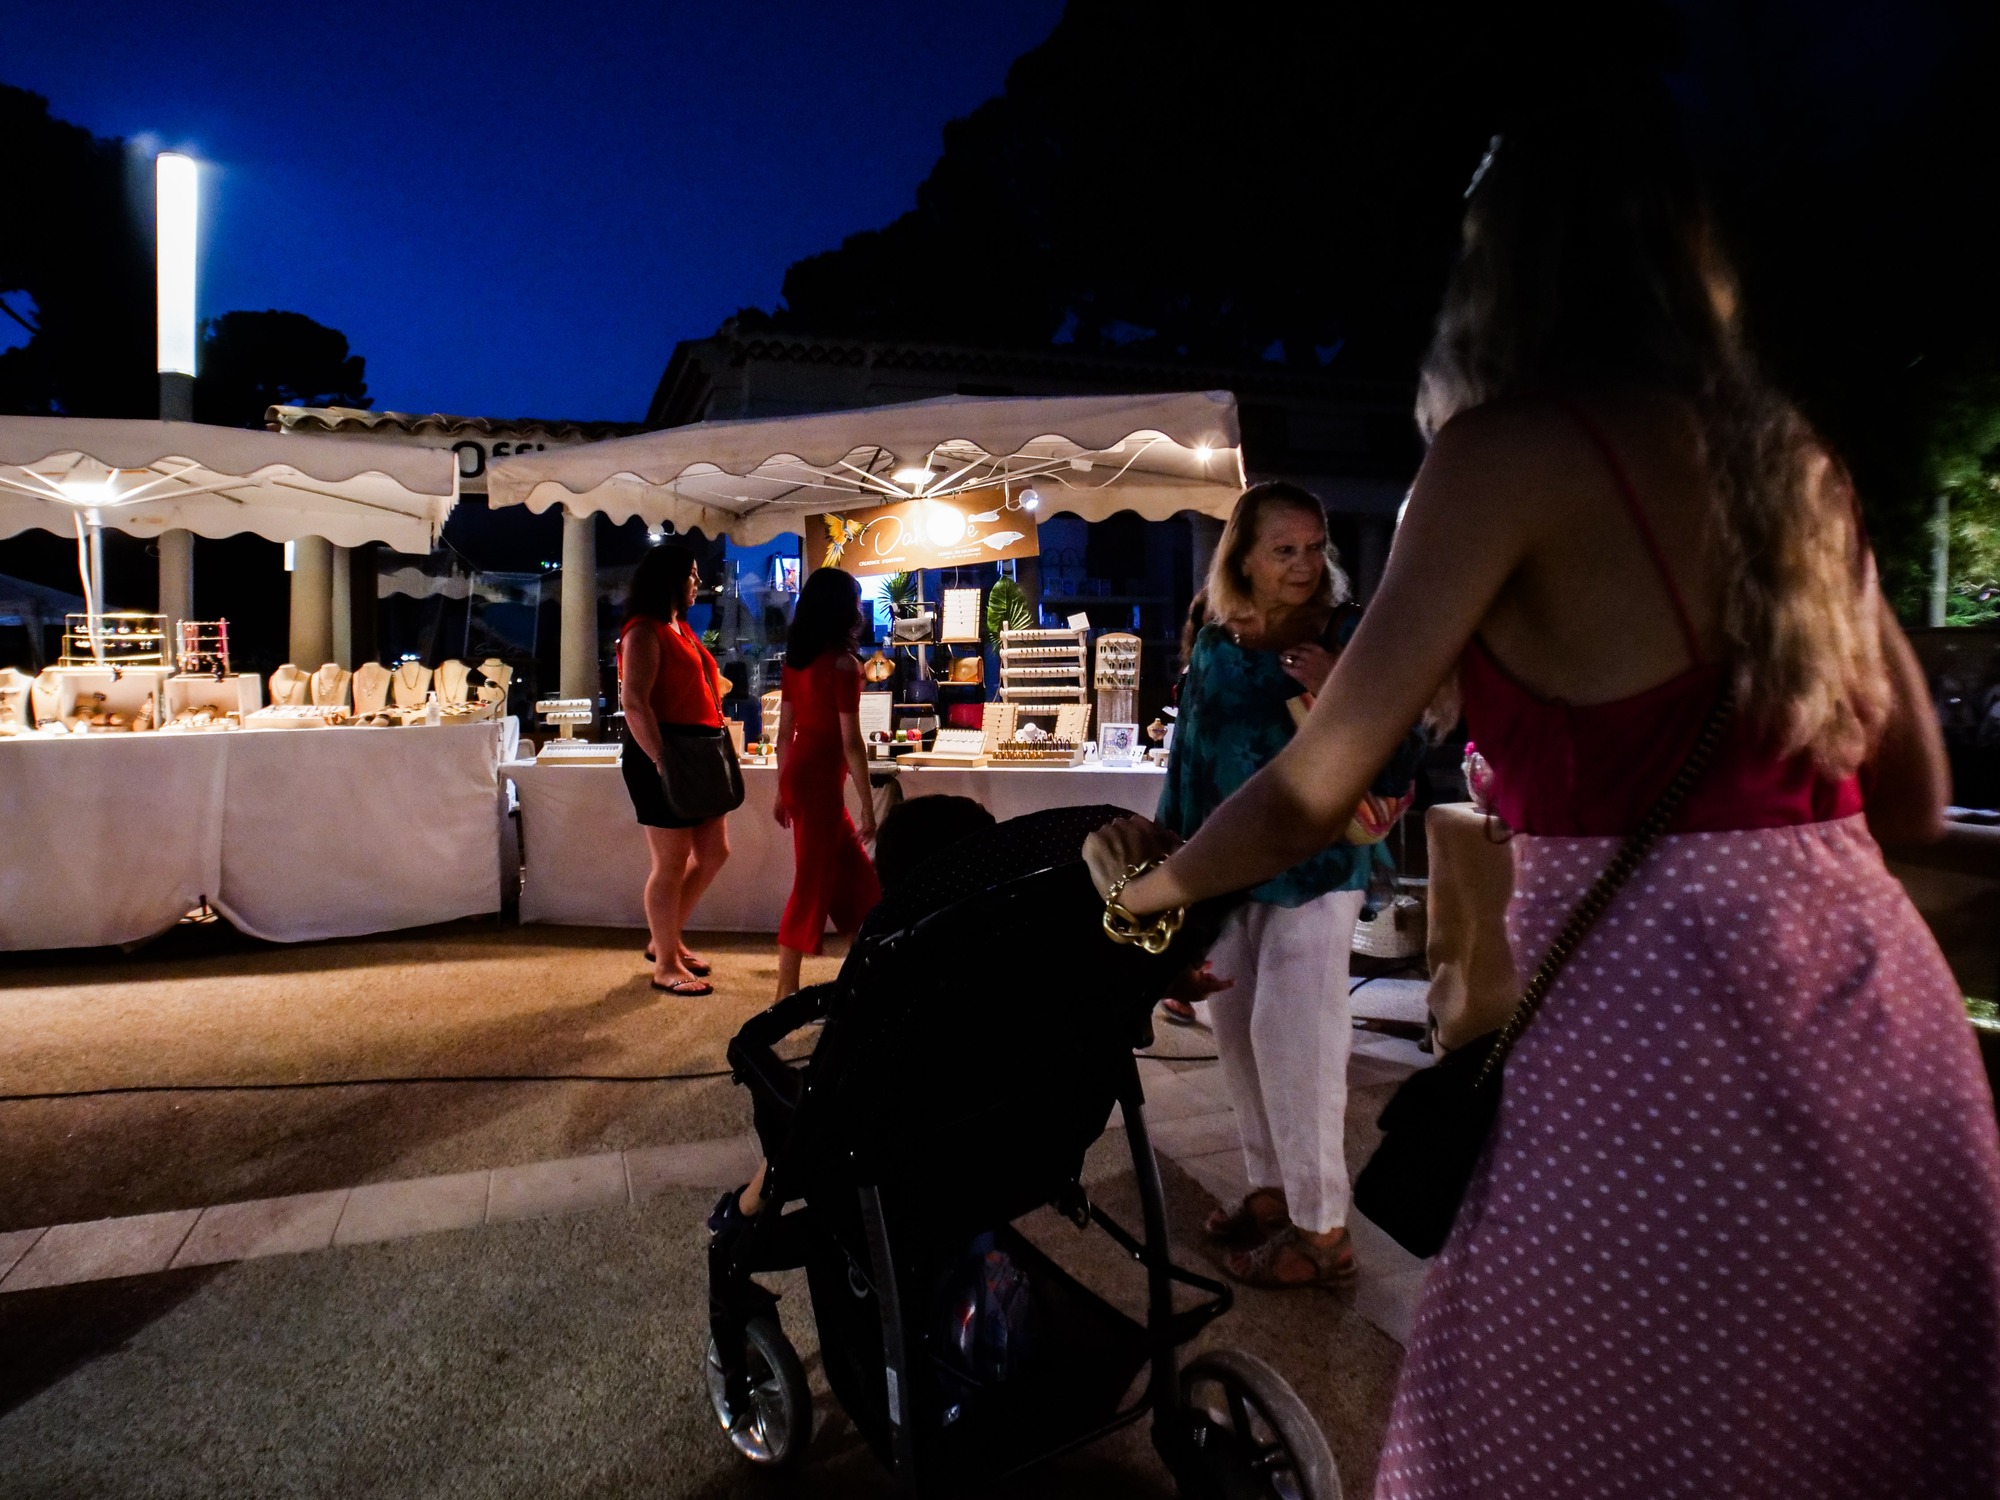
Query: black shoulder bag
(1436, 1124)
(699, 774)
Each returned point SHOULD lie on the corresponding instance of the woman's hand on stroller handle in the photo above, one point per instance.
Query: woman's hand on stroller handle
(1117, 848)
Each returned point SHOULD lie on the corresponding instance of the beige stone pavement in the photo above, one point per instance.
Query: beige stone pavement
(1187, 1111)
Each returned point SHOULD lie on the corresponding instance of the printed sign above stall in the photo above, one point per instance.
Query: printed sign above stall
(955, 531)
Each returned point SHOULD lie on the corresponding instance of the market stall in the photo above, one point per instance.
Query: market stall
(111, 838)
(140, 775)
(585, 857)
(927, 486)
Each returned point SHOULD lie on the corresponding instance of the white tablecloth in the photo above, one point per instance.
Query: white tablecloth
(292, 834)
(337, 832)
(106, 839)
(584, 861)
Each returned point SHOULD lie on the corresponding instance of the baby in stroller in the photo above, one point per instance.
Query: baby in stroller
(898, 1158)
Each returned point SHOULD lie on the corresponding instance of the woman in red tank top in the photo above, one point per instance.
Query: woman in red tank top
(1736, 1228)
(819, 751)
(668, 683)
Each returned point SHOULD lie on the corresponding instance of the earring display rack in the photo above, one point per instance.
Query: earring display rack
(126, 640)
(1041, 670)
(1117, 678)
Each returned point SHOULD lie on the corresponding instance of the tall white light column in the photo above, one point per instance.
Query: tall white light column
(176, 197)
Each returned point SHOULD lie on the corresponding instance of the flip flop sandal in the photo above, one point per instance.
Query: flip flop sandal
(1264, 1266)
(1178, 1013)
(1240, 1226)
(694, 966)
(687, 989)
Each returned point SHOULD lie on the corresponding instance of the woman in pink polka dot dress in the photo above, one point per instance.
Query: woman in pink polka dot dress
(1737, 1229)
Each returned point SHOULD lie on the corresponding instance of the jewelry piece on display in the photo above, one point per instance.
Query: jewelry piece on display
(452, 677)
(371, 688)
(288, 686)
(1123, 926)
(498, 677)
(411, 681)
(329, 686)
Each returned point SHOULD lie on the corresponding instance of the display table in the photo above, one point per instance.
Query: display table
(291, 834)
(584, 859)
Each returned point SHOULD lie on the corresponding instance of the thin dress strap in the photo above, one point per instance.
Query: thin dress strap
(1631, 495)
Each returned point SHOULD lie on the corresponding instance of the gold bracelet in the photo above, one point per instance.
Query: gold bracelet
(1124, 926)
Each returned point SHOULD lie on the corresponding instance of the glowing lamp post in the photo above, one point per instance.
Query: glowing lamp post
(176, 197)
(174, 230)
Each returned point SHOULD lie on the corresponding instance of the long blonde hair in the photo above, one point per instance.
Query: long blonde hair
(1590, 259)
(1228, 588)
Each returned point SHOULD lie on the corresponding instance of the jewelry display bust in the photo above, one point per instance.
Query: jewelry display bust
(288, 687)
(498, 676)
(410, 682)
(371, 688)
(329, 686)
(452, 677)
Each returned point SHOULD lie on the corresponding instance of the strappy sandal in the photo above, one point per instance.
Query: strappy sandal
(700, 968)
(687, 989)
(1241, 1225)
(1264, 1266)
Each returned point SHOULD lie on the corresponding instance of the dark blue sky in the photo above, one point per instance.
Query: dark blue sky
(513, 209)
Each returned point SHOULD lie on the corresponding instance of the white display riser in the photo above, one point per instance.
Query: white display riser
(239, 694)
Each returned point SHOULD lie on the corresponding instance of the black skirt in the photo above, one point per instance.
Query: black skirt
(642, 781)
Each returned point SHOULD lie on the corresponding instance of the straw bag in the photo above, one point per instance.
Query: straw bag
(1397, 930)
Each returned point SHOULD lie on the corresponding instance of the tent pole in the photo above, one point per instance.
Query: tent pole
(176, 586)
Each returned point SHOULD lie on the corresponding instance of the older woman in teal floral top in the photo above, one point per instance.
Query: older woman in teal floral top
(1278, 1003)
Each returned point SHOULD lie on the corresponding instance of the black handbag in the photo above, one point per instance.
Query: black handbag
(699, 774)
(1435, 1126)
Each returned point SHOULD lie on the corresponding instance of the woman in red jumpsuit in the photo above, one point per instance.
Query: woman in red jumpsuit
(819, 748)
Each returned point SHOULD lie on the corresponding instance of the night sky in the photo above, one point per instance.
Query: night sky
(516, 209)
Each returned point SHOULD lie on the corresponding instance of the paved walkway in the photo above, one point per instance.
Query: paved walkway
(1192, 1123)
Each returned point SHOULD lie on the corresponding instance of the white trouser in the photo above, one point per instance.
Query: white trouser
(1283, 1034)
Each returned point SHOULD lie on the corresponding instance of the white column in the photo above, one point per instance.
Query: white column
(312, 602)
(341, 607)
(579, 606)
(176, 585)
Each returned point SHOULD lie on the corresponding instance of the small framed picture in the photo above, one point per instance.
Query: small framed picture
(1118, 744)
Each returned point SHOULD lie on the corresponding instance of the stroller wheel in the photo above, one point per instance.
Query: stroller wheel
(773, 1428)
(1252, 1436)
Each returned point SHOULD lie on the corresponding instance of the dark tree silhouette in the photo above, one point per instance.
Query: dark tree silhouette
(75, 270)
(1229, 180)
(254, 360)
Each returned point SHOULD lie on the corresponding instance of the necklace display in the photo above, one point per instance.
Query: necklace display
(329, 686)
(288, 687)
(452, 677)
(498, 677)
(371, 688)
(410, 681)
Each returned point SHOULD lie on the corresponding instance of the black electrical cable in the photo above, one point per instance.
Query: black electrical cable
(367, 1083)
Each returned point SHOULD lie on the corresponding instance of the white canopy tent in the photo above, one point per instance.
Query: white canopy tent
(178, 480)
(757, 478)
(143, 477)
(753, 479)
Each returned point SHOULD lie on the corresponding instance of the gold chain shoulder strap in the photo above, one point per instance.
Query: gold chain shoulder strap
(1638, 844)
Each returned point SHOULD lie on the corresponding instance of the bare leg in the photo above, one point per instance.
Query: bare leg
(707, 850)
(669, 850)
(751, 1199)
(789, 962)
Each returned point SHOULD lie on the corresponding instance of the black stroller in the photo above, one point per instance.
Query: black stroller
(901, 1154)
